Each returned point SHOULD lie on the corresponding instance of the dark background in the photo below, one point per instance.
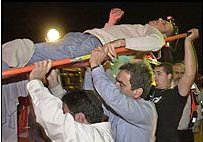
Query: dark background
(33, 19)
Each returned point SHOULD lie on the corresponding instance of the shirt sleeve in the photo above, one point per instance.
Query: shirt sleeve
(88, 84)
(151, 40)
(130, 109)
(48, 110)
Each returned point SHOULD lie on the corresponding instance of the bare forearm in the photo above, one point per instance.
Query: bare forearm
(190, 58)
(190, 61)
(190, 54)
(117, 43)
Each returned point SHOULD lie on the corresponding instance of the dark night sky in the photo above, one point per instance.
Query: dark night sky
(32, 19)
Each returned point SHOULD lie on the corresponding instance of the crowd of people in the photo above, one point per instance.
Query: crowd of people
(122, 106)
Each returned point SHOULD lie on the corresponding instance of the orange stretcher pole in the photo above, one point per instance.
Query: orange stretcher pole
(178, 36)
(76, 62)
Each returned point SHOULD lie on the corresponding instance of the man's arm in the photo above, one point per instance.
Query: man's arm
(115, 16)
(48, 108)
(151, 40)
(125, 106)
(190, 62)
(54, 84)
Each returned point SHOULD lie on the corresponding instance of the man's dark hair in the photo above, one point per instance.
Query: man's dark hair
(140, 76)
(167, 67)
(85, 101)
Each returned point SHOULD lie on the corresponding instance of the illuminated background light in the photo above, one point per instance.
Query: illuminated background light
(52, 35)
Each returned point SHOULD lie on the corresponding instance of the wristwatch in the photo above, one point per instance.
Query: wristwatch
(95, 67)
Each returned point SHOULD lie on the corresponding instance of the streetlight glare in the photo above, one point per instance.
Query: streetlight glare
(53, 35)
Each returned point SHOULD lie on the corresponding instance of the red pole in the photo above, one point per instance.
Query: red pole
(76, 61)
(15, 71)
(183, 35)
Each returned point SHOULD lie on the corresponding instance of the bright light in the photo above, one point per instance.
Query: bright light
(52, 35)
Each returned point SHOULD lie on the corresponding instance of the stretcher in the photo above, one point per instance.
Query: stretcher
(81, 61)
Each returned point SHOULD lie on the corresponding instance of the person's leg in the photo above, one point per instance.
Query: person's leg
(71, 46)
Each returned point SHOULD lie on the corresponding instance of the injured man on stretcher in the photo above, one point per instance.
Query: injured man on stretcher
(145, 38)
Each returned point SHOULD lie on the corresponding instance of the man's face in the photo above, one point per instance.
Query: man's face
(163, 26)
(123, 81)
(178, 72)
(162, 79)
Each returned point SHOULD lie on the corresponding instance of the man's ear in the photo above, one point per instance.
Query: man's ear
(169, 76)
(137, 93)
(80, 117)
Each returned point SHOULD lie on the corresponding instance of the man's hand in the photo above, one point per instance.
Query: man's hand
(101, 54)
(115, 15)
(40, 70)
(194, 34)
(98, 56)
(116, 43)
(109, 48)
(53, 79)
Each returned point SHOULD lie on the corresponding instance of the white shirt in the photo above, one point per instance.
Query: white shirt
(137, 37)
(62, 127)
